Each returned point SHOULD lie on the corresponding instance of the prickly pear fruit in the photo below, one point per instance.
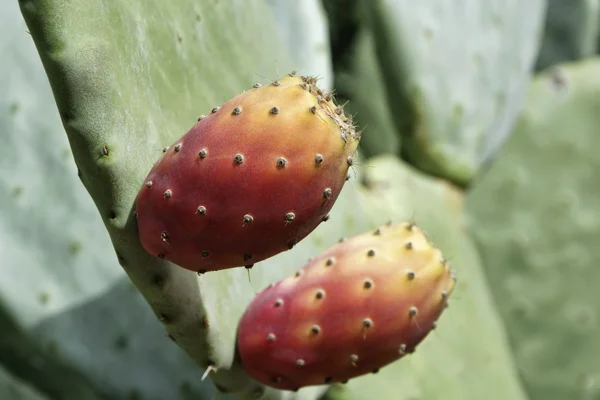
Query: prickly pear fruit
(250, 180)
(359, 306)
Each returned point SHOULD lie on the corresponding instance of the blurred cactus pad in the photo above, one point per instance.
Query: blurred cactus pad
(477, 122)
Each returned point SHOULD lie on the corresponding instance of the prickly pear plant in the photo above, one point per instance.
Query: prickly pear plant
(454, 114)
(355, 308)
(250, 180)
(534, 215)
(121, 103)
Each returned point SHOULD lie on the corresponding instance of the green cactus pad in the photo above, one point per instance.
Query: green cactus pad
(70, 323)
(535, 217)
(467, 357)
(456, 72)
(363, 85)
(570, 33)
(16, 389)
(302, 26)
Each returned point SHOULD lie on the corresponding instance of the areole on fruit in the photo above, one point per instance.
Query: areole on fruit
(360, 305)
(250, 179)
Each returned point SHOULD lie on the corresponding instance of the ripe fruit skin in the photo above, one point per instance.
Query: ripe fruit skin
(248, 181)
(359, 306)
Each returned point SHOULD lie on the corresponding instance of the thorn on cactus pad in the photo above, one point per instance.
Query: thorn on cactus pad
(161, 255)
(319, 159)
(281, 162)
(313, 109)
(300, 362)
(165, 149)
(328, 379)
(327, 193)
(376, 370)
(203, 153)
(412, 311)
(303, 86)
(316, 329)
(237, 111)
(330, 261)
(164, 235)
(271, 337)
(201, 117)
(148, 184)
(278, 303)
(201, 272)
(256, 85)
(291, 244)
(274, 110)
(215, 109)
(350, 161)
(367, 322)
(408, 245)
(377, 232)
(211, 368)
(168, 193)
(297, 274)
(247, 256)
(368, 284)
(105, 151)
(410, 226)
(276, 379)
(248, 219)
(347, 176)
(249, 266)
(276, 83)
(434, 325)
(343, 136)
(320, 294)
(201, 210)
(326, 218)
(353, 359)
(410, 275)
(292, 74)
(163, 318)
(238, 159)
(371, 253)
(205, 253)
(342, 240)
(177, 147)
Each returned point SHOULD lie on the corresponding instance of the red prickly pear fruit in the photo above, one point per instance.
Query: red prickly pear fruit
(250, 180)
(359, 306)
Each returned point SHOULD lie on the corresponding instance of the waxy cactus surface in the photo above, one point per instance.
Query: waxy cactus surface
(355, 308)
(250, 180)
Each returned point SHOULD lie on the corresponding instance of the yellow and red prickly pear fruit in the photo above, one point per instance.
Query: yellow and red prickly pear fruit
(359, 306)
(250, 180)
